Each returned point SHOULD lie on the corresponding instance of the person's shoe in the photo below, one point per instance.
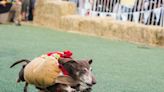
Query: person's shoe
(18, 24)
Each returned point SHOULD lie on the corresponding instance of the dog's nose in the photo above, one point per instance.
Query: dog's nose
(94, 82)
(73, 91)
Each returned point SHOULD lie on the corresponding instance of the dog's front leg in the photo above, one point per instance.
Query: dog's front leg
(25, 87)
(44, 90)
(41, 91)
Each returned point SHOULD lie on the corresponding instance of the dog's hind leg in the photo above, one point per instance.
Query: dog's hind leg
(21, 75)
(25, 87)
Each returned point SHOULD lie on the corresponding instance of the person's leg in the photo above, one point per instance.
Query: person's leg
(17, 16)
(30, 15)
(25, 9)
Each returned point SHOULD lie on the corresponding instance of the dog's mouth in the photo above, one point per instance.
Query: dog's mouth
(83, 87)
(87, 90)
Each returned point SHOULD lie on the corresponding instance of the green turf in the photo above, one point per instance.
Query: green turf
(118, 66)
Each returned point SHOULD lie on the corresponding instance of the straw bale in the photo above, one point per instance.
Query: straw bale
(83, 24)
(136, 32)
(108, 27)
(49, 12)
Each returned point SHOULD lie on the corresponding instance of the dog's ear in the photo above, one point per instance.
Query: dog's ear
(66, 60)
(69, 61)
(63, 60)
(72, 61)
(90, 61)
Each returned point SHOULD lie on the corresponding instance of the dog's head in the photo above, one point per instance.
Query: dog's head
(87, 79)
(81, 71)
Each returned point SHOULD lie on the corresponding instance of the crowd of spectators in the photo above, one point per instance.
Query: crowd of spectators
(19, 10)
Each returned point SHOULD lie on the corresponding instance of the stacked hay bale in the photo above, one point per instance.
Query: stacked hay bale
(92, 25)
(133, 32)
(110, 28)
(49, 12)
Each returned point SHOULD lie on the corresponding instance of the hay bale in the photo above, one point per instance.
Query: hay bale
(49, 12)
(136, 32)
(83, 24)
(110, 28)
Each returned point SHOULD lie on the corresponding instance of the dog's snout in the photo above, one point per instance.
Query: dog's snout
(93, 80)
(89, 84)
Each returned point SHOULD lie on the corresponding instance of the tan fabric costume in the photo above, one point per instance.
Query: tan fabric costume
(42, 71)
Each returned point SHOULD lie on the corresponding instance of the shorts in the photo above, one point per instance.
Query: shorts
(25, 5)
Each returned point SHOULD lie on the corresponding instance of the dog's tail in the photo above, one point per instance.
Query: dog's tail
(20, 61)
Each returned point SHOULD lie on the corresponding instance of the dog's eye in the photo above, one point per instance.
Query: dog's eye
(84, 70)
(78, 73)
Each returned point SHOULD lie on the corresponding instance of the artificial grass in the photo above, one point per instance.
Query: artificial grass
(118, 66)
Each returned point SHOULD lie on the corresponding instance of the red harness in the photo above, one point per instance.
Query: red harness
(64, 71)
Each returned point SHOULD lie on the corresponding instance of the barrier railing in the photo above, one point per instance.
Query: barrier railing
(148, 12)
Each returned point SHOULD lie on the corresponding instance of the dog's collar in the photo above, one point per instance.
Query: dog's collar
(62, 68)
(64, 71)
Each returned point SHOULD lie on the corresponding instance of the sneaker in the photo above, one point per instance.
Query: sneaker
(18, 24)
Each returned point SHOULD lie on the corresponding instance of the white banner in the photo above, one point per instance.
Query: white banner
(124, 16)
(136, 17)
(157, 13)
(113, 15)
(146, 15)
(87, 5)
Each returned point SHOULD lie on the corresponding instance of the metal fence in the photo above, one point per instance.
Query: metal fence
(148, 12)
